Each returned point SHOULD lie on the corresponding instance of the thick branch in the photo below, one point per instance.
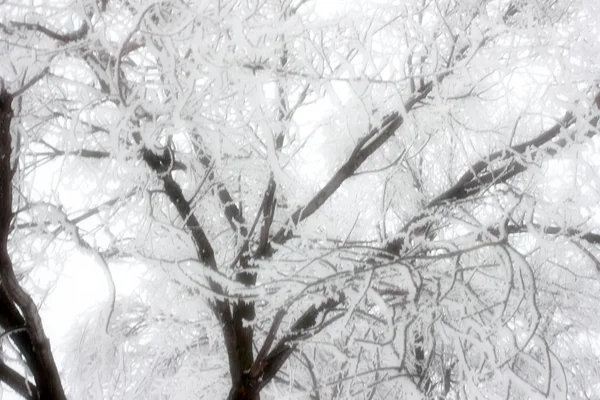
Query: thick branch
(301, 328)
(473, 181)
(571, 233)
(81, 153)
(12, 320)
(268, 211)
(61, 37)
(476, 179)
(16, 382)
(266, 367)
(231, 211)
(95, 154)
(204, 250)
(363, 150)
(243, 312)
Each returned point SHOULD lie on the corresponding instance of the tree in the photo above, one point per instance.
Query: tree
(376, 200)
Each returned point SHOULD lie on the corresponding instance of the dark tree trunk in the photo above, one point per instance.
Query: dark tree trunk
(18, 312)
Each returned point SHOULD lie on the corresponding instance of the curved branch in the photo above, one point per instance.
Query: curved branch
(61, 37)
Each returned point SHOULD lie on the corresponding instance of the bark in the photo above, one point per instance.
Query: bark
(18, 311)
(370, 143)
(269, 361)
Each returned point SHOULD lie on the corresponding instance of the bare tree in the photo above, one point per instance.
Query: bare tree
(375, 200)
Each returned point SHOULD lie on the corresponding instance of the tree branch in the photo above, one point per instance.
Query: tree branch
(473, 181)
(571, 233)
(364, 148)
(61, 37)
(243, 312)
(204, 251)
(231, 211)
(21, 385)
(266, 367)
(476, 180)
(286, 345)
(268, 211)
(31, 82)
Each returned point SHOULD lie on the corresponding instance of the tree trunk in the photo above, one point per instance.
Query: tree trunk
(18, 311)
